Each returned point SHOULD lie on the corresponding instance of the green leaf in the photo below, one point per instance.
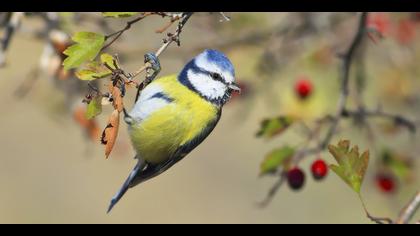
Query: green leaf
(118, 14)
(95, 70)
(94, 107)
(88, 45)
(351, 166)
(276, 158)
(274, 126)
(108, 59)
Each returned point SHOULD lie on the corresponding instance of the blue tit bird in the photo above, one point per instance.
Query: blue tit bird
(174, 114)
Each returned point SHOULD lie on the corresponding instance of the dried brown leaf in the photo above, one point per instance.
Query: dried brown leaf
(110, 133)
(118, 101)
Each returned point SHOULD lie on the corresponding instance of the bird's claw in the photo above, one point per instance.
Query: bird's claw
(154, 68)
(127, 118)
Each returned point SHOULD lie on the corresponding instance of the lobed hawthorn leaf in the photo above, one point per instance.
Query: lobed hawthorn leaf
(86, 48)
(276, 158)
(95, 70)
(119, 14)
(108, 59)
(94, 107)
(110, 133)
(274, 126)
(351, 165)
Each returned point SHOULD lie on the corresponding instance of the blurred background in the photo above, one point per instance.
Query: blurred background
(53, 168)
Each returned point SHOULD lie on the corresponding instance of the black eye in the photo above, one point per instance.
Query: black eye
(216, 76)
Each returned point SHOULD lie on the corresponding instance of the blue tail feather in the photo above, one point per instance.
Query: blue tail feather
(134, 173)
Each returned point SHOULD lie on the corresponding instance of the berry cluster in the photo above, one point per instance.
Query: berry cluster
(296, 176)
(319, 169)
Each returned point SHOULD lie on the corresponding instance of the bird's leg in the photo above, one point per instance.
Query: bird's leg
(151, 71)
(154, 69)
(127, 118)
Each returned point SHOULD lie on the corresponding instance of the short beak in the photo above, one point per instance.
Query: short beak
(233, 86)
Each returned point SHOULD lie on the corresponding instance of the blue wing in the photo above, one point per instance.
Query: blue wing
(144, 171)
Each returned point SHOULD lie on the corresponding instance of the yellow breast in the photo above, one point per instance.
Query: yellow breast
(160, 134)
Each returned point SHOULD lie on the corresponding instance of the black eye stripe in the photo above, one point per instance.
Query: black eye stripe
(214, 75)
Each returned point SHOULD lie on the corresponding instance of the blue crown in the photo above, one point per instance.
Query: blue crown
(220, 59)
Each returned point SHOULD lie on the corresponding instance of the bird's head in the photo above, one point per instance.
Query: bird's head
(211, 75)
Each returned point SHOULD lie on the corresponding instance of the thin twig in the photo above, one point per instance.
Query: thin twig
(345, 71)
(226, 18)
(344, 78)
(118, 33)
(11, 27)
(274, 189)
(397, 119)
(378, 220)
(166, 42)
(165, 27)
(408, 211)
(27, 84)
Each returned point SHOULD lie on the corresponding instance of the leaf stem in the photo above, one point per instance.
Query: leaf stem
(378, 220)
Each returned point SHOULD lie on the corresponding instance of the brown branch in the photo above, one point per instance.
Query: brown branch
(118, 33)
(342, 112)
(165, 27)
(345, 71)
(405, 215)
(119, 74)
(397, 119)
(274, 189)
(377, 220)
(347, 59)
(174, 17)
(28, 83)
(11, 27)
(409, 210)
(166, 42)
(224, 16)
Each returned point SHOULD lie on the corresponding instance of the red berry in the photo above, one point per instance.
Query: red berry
(295, 178)
(319, 169)
(386, 183)
(303, 87)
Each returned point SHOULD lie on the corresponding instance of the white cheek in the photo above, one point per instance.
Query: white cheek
(206, 85)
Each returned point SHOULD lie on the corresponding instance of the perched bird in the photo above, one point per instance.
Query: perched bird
(174, 114)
